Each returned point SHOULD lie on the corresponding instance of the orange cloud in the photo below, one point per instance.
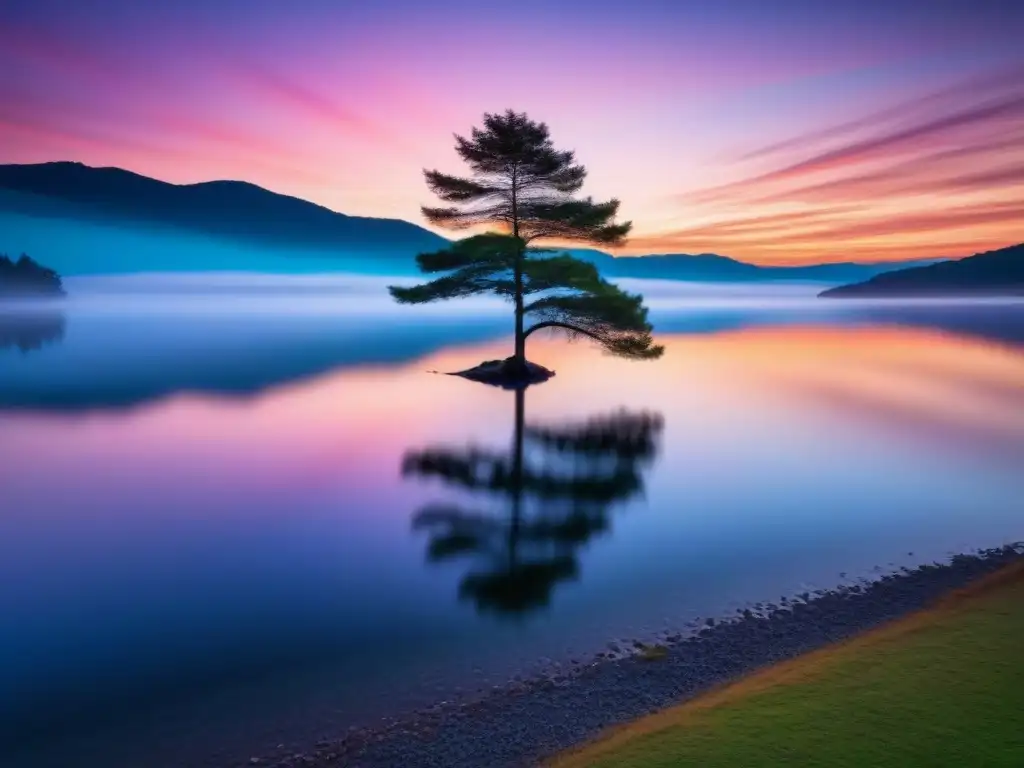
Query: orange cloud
(939, 175)
(875, 237)
(933, 222)
(886, 146)
(752, 225)
(937, 172)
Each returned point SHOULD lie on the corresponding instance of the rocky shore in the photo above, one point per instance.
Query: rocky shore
(522, 723)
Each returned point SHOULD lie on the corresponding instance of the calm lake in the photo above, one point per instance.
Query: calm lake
(237, 512)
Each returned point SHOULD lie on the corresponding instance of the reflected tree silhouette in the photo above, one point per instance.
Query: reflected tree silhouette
(30, 331)
(557, 484)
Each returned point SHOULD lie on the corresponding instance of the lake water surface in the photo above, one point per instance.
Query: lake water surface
(234, 515)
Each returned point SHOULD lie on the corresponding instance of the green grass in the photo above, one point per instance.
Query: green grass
(944, 687)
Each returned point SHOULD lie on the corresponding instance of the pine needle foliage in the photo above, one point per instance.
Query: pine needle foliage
(526, 189)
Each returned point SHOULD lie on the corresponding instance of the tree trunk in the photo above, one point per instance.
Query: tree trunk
(520, 350)
(520, 353)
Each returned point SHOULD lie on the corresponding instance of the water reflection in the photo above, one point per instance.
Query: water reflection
(30, 331)
(117, 360)
(558, 483)
(208, 570)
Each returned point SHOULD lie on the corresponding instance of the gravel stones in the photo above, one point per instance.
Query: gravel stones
(518, 725)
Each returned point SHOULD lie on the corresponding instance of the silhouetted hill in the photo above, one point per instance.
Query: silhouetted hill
(226, 208)
(114, 202)
(25, 277)
(994, 273)
(710, 267)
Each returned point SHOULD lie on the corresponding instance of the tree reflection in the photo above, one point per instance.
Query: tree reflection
(29, 331)
(558, 483)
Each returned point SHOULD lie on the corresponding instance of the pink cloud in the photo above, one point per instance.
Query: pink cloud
(989, 84)
(880, 147)
(290, 94)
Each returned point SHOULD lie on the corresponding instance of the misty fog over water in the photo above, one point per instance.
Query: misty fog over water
(209, 529)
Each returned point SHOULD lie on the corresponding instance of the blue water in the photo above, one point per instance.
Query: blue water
(208, 522)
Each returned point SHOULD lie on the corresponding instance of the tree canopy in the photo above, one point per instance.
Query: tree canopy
(525, 188)
(521, 181)
(566, 293)
(25, 277)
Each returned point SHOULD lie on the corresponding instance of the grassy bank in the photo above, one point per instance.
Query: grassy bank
(943, 687)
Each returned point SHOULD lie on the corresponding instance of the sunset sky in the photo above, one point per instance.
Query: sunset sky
(776, 132)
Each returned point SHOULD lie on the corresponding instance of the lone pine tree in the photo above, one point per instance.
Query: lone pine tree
(524, 187)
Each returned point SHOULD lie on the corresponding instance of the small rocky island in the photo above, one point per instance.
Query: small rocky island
(507, 374)
(27, 278)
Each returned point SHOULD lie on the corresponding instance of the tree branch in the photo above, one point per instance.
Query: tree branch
(565, 326)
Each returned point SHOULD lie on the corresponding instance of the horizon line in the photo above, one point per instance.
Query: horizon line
(613, 253)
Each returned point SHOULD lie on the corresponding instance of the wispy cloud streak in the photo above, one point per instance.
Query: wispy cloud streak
(989, 85)
(345, 103)
(887, 146)
(292, 95)
(948, 166)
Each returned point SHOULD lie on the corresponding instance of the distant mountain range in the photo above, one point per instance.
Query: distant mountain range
(82, 220)
(712, 268)
(231, 209)
(993, 273)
